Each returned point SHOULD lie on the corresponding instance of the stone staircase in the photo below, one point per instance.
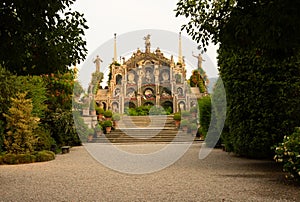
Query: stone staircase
(132, 129)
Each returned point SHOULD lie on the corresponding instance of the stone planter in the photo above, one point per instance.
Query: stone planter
(85, 112)
(93, 112)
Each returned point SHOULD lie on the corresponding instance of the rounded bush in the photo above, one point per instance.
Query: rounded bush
(116, 117)
(177, 117)
(99, 110)
(193, 126)
(9, 158)
(184, 123)
(45, 155)
(107, 124)
(108, 114)
(25, 158)
(185, 113)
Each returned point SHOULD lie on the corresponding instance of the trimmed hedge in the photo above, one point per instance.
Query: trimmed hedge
(204, 105)
(40, 156)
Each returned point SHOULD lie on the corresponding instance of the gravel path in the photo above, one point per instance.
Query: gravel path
(78, 177)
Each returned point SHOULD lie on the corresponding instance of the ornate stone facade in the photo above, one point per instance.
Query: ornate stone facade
(147, 78)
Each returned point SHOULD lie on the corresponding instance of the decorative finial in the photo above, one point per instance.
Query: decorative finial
(179, 49)
(115, 48)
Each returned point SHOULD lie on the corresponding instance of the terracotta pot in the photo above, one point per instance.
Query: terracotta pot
(90, 138)
(100, 116)
(177, 123)
(194, 132)
(184, 128)
(108, 129)
(115, 124)
(99, 133)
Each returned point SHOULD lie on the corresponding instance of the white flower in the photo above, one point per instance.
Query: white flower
(299, 173)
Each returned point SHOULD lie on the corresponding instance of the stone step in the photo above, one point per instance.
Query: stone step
(132, 129)
(145, 121)
(127, 139)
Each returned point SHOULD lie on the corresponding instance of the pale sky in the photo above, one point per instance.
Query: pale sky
(106, 17)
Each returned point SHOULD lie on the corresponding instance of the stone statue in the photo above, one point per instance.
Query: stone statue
(97, 61)
(148, 76)
(131, 78)
(147, 42)
(200, 60)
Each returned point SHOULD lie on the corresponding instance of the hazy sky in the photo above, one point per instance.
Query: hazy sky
(106, 17)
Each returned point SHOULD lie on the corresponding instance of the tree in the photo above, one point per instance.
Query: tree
(239, 23)
(39, 37)
(259, 65)
(20, 138)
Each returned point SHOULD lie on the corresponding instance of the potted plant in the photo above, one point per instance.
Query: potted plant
(107, 125)
(90, 134)
(194, 111)
(98, 130)
(108, 114)
(177, 119)
(99, 112)
(193, 127)
(185, 114)
(184, 125)
(116, 117)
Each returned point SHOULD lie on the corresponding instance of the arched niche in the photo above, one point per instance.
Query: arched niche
(119, 79)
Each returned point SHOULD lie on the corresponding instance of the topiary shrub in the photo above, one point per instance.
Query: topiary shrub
(288, 153)
(177, 117)
(107, 124)
(184, 123)
(185, 114)
(25, 158)
(116, 117)
(9, 158)
(108, 114)
(193, 126)
(204, 105)
(45, 155)
(99, 110)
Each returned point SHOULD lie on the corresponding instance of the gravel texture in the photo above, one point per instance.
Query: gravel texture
(76, 176)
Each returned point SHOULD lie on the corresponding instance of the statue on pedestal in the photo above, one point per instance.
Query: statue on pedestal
(97, 61)
(147, 43)
(200, 60)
